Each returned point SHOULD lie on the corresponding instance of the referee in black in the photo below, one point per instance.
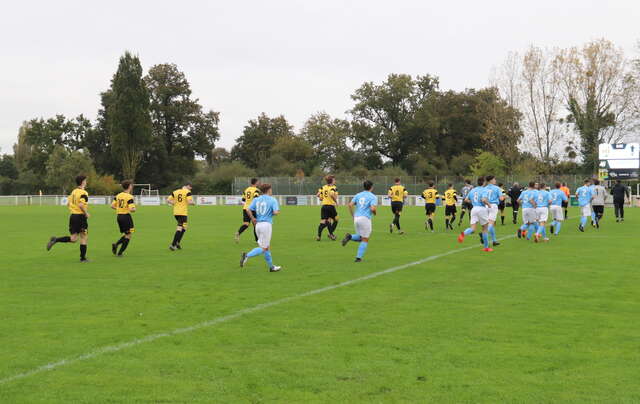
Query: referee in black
(620, 193)
(514, 194)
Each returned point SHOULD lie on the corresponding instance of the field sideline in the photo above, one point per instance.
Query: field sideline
(528, 323)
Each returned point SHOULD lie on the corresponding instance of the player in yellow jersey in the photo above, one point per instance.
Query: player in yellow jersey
(124, 205)
(328, 196)
(180, 199)
(248, 195)
(430, 195)
(398, 193)
(78, 203)
(450, 210)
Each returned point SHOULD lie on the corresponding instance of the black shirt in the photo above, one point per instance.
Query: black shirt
(619, 191)
(514, 193)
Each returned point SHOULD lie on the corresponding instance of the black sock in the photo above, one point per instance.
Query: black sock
(446, 223)
(124, 245)
(243, 228)
(515, 215)
(396, 221)
(122, 239)
(452, 221)
(461, 216)
(430, 224)
(181, 235)
(65, 239)
(502, 219)
(566, 214)
(83, 251)
(333, 227)
(321, 227)
(176, 238)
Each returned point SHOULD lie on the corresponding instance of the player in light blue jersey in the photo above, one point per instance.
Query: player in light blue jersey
(594, 216)
(585, 196)
(365, 204)
(558, 197)
(479, 213)
(527, 200)
(266, 207)
(494, 196)
(542, 212)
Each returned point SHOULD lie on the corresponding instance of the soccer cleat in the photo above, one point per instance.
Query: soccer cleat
(332, 237)
(243, 259)
(346, 239)
(275, 268)
(391, 228)
(400, 231)
(581, 228)
(617, 220)
(488, 249)
(597, 224)
(461, 237)
(495, 243)
(524, 233)
(172, 247)
(51, 242)
(84, 260)
(317, 238)
(119, 256)
(237, 237)
(178, 246)
(358, 259)
(114, 249)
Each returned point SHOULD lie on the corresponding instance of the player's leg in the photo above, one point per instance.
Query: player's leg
(472, 226)
(84, 238)
(245, 225)
(363, 228)
(485, 236)
(515, 206)
(334, 223)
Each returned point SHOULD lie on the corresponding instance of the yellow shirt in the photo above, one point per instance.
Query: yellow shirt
(181, 198)
(326, 194)
(397, 193)
(123, 202)
(248, 195)
(450, 197)
(78, 196)
(430, 195)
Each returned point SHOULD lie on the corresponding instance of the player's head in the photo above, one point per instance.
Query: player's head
(618, 182)
(500, 185)
(542, 185)
(254, 181)
(564, 184)
(558, 185)
(127, 185)
(81, 180)
(450, 186)
(532, 184)
(397, 180)
(491, 179)
(480, 181)
(367, 185)
(468, 182)
(587, 181)
(430, 183)
(265, 189)
(596, 182)
(188, 185)
(330, 179)
(515, 184)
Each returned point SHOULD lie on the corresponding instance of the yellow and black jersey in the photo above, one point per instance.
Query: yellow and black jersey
(181, 198)
(450, 197)
(78, 196)
(248, 194)
(430, 195)
(123, 202)
(397, 193)
(328, 195)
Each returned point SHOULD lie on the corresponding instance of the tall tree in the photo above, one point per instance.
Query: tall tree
(128, 122)
(328, 137)
(255, 144)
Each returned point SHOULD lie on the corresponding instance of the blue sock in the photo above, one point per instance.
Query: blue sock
(267, 257)
(544, 231)
(254, 252)
(468, 231)
(558, 226)
(530, 230)
(593, 216)
(355, 237)
(492, 232)
(485, 239)
(361, 249)
(539, 229)
(583, 221)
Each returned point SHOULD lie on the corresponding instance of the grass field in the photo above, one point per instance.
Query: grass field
(549, 323)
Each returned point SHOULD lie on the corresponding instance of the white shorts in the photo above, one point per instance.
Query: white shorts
(586, 210)
(542, 214)
(557, 213)
(529, 215)
(363, 226)
(263, 230)
(493, 212)
(479, 214)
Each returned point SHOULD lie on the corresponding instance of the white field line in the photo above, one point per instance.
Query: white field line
(229, 317)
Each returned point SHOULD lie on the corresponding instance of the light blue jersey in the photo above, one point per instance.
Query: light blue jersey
(584, 195)
(557, 197)
(543, 198)
(364, 201)
(493, 193)
(476, 195)
(264, 206)
(526, 196)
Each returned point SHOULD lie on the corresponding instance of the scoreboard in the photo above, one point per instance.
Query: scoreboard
(619, 161)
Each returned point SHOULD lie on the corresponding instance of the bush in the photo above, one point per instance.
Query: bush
(487, 163)
(219, 181)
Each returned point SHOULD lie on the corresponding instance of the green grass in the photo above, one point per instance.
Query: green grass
(548, 323)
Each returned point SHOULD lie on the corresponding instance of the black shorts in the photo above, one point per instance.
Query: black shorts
(328, 212)
(78, 224)
(501, 205)
(182, 221)
(565, 204)
(450, 210)
(467, 205)
(396, 207)
(125, 223)
(430, 208)
(515, 204)
(245, 216)
(598, 209)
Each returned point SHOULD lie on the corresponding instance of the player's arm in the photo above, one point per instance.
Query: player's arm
(389, 193)
(132, 205)
(170, 200)
(190, 200)
(113, 204)
(350, 205)
(82, 205)
(334, 196)
(374, 209)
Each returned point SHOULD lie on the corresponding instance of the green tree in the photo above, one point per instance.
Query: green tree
(487, 163)
(63, 166)
(328, 138)
(296, 151)
(253, 148)
(8, 167)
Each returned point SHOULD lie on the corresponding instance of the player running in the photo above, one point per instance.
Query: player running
(180, 199)
(542, 212)
(527, 200)
(565, 205)
(78, 203)
(479, 214)
(124, 205)
(599, 194)
(398, 193)
(594, 218)
(558, 198)
(494, 196)
(585, 196)
(365, 204)
(266, 207)
(430, 195)
(450, 199)
(328, 194)
(248, 195)
(466, 206)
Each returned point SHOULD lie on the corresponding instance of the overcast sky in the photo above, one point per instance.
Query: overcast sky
(279, 57)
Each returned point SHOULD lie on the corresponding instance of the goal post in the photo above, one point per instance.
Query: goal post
(148, 196)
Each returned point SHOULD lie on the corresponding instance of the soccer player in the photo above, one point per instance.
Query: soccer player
(328, 194)
(450, 198)
(542, 212)
(594, 218)
(558, 197)
(78, 203)
(598, 200)
(266, 207)
(479, 214)
(430, 195)
(620, 194)
(514, 195)
(124, 205)
(565, 205)
(365, 203)
(584, 196)
(528, 201)
(248, 195)
(494, 196)
(180, 199)
(502, 203)
(466, 206)
(397, 192)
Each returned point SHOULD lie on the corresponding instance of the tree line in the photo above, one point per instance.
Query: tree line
(544, 113)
